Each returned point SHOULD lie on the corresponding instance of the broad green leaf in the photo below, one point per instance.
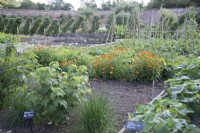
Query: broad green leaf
(181, 66)
(185, 78)
(191, 66)
(63, 103)
(188, 100)
(44, 102)
(140, 108)
(170, 123)
(179, 123)
(176, 90)
(166, 114)
(149, 117)
(51, 108)
(192, 89)
(161, 129)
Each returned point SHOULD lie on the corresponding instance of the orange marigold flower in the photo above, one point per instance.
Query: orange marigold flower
(137, 72)
(102, 72)
(111, 73)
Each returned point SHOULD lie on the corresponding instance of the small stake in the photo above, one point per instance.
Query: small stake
(29, 117)
(153, 88)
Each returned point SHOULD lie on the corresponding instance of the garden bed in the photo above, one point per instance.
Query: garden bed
(123, 95)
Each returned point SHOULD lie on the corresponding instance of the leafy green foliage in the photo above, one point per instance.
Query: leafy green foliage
(48, 91)
(14, 70)
(178, 106)
(4, 38)
(164, 115)
(189, 67)
(172, 3)
(47, 55)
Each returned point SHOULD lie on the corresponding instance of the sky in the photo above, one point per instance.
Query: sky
(76, 3)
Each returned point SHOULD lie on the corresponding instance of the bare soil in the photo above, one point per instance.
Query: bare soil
(124, 96)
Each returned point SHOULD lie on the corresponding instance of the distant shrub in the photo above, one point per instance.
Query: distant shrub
(36, 26)
(122, 18)
(8, 37)
(77, 24)
(8, 24)
(95, 23)
(1, 24)
(44, 26)
(16, 25)
(5, 21)
(68, 25)
(53, 28)
(62, 21)
(27, 26)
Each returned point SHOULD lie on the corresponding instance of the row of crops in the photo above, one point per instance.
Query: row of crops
(51, 80)
(46, 25)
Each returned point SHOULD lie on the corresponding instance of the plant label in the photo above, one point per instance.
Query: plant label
(134, 126)
(28, 115)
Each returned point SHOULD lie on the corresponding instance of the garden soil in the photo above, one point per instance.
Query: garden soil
(122, 95)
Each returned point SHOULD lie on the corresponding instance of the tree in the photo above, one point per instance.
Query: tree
(16, 25)
(67, 6)
(106, 6)
(172, 3)
(68, 25)
(9, 22)
(78, 23)
(27, 26)
(53, 28)
(36, 26)
(1, 24)
(41, 6)
(89, 4)
(95, 24)
(60, 5)
(9, 2)
(28, 5)
(44, 26)
(5, 21)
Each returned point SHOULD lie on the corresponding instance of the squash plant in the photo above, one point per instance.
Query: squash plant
(164, 115)
(173, 112)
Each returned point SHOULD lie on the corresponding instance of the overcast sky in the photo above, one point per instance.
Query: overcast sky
(76, 3)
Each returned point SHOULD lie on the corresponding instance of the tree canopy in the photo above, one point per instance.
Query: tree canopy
(28, 4)
(172, 3)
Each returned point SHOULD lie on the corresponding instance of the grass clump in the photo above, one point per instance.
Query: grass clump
(96, 115)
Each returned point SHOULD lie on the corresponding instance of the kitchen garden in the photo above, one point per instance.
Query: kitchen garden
(53, 81)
